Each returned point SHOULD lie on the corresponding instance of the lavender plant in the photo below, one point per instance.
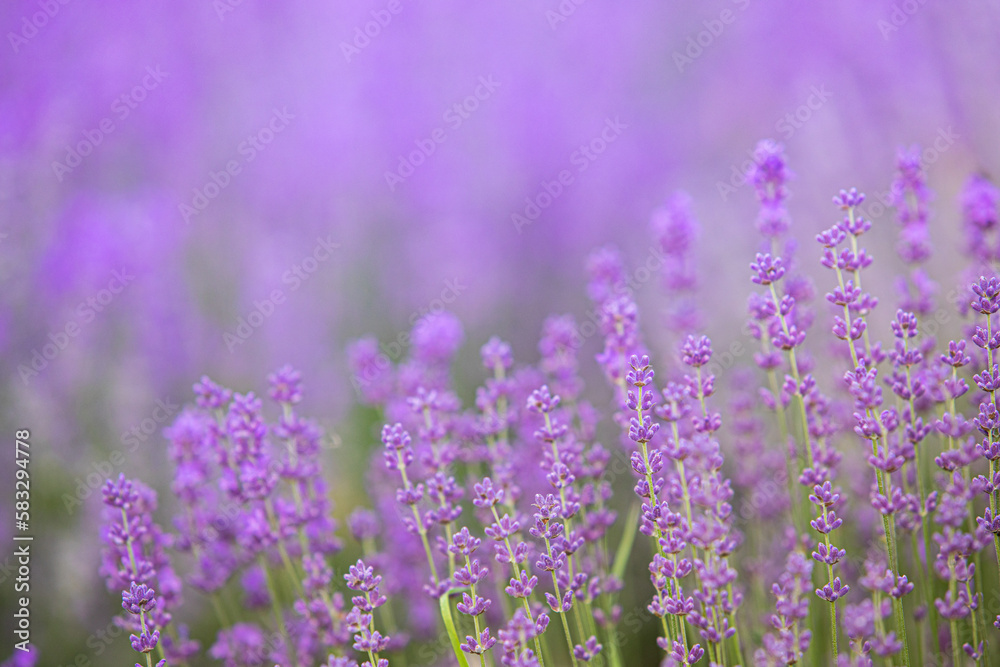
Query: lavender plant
(822, 521)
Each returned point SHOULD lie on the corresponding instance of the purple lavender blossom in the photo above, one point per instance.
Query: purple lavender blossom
(911, 196)
(135, 556)
(980, 209)
(494, 518)
(22, 658)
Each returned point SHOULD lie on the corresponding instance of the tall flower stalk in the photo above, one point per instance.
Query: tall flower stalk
(872, 422)
(524, 474)
(667, 529)
(987, 303)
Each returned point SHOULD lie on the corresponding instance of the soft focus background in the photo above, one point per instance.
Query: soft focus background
(166, 168)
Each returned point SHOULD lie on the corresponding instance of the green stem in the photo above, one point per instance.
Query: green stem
(625, 546)
(615, 648)
(142, 621)
(562, 614)
(282, 552)
(929, 588)
(569, 639)
(449, 624)
(889, 528)
(833, 630)
(275, 605)
(956, 655)
(975, 619)
(737, 642)
(517, 574)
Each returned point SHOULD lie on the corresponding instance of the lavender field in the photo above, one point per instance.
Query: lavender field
(549, 334)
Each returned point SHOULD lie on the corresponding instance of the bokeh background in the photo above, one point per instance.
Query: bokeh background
(203, 155)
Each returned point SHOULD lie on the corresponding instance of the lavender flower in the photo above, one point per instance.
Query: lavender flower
(362, 579)
(22, 658)
(911, 196)
(676, 231)
(521, 471)
(135, 557)
(980, 202)
(791, 607)
(471, 574)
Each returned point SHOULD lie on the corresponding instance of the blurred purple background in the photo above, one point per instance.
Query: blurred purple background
(234, 161)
